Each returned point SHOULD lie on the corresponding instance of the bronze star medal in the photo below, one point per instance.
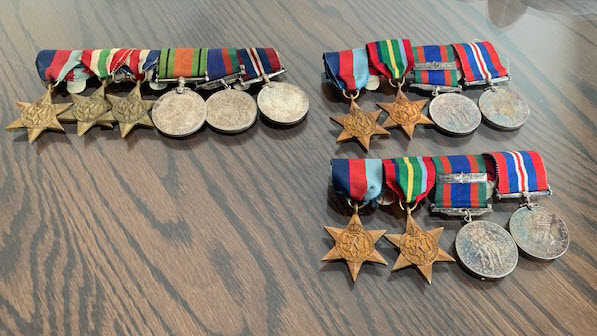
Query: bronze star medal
(39, 116)
(405, 113)
(418, 247)
(128, 111)
(359, 124)
(87, 110)
(355, 245)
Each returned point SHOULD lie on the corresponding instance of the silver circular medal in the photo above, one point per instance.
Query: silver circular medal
(283, 103)
(539, 232)
(486, 249)
(455, 113)
(231, 111)
(503, 108)
(179, 114)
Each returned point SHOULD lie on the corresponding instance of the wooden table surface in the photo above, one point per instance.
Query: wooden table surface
(219, 234)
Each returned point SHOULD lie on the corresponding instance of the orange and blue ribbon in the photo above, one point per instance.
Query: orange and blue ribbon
(359, 180)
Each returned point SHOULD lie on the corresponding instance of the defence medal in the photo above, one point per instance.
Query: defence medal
(281, 103)
(411, 178)
(394, 59)
(436, 69)
(180, 112)
(481, 65)
(484, 248)
(231, 110)
(349, 72)
(538, 231)
(53, 67)
(359, 181)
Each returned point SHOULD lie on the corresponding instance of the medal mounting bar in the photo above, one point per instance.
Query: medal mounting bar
(260, 78)
(224, 81)
(435, 66)
(489, 81)
(437, 88)
(462, 211)
(186, 79)
(461, 178)
(525, 194)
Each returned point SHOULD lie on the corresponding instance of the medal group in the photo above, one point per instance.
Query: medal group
(441, 70)
(177, 113)
(462, 186)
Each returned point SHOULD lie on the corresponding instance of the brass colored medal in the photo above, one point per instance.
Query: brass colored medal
(355, 245)
(129, 111)
(359, 124)
(405, 113)
(87, 110)
(39, 116)
(418, 247)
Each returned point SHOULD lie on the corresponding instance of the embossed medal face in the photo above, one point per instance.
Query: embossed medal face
(231, 111)
(486, 249)
(420, 249)
(455, 113)
(503, 108)
(38, 115)
(179, 114)
(539, 232)
(283, 103)
(359, 124)
(355, 244)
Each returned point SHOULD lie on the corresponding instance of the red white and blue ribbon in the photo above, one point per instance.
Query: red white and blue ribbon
(140, 62)
(56, 65)
(104, 62)
(411, 178)
(359, 180)
(221, 62)
(258, 61)
(392, 58)
(347, 69)
(480, 61)
(521, 171)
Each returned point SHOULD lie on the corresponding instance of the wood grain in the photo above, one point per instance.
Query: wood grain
(221, 234)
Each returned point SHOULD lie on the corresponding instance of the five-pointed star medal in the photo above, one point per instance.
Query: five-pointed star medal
(87, 110)
(355, 245)
(418, 247)
(128, 111)
(405, 113)
(39, 116)
(359, 124)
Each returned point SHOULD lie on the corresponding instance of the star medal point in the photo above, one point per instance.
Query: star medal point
(129, 111)
(86, 111)
(39, 116)
(405, 113)
(359, 124)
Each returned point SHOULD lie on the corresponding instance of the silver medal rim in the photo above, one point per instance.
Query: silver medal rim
(239, 128)
(443, 96)
(155, 112)
(460, 236)
(282, 85)
(518, 240)
(488, 94)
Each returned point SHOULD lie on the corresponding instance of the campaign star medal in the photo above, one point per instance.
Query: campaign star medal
(87, 110)
(418, 247)
(39, 116)
(359, 124)
(129, 111)
(405, 113)
(354, 244)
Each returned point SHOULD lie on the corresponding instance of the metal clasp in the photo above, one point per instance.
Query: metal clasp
(461, 178)
(262, 78)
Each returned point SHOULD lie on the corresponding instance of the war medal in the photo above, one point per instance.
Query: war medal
(87, 110)
(359, 181)
(348, 71)
(538, 231)
(481, 65)
(394, 59)
(436, 69)
(411, 178)
(53, 66)
(182, 111)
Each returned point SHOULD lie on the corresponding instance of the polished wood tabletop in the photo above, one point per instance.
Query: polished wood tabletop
(222, 234)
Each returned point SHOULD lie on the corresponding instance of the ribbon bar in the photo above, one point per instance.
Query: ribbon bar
(519, 173)
(358, 180)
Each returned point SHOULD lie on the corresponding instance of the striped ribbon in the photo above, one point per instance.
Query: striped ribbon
(410, 177)
(392, 58)
(258, 61)
(58, 65)
(359, 180)
(182, 62)
(436, 53)
(221, 62)
(348, 69)
(519, 171)
(140, 62)
(104, 62)
(479, 61)
(460, 195)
